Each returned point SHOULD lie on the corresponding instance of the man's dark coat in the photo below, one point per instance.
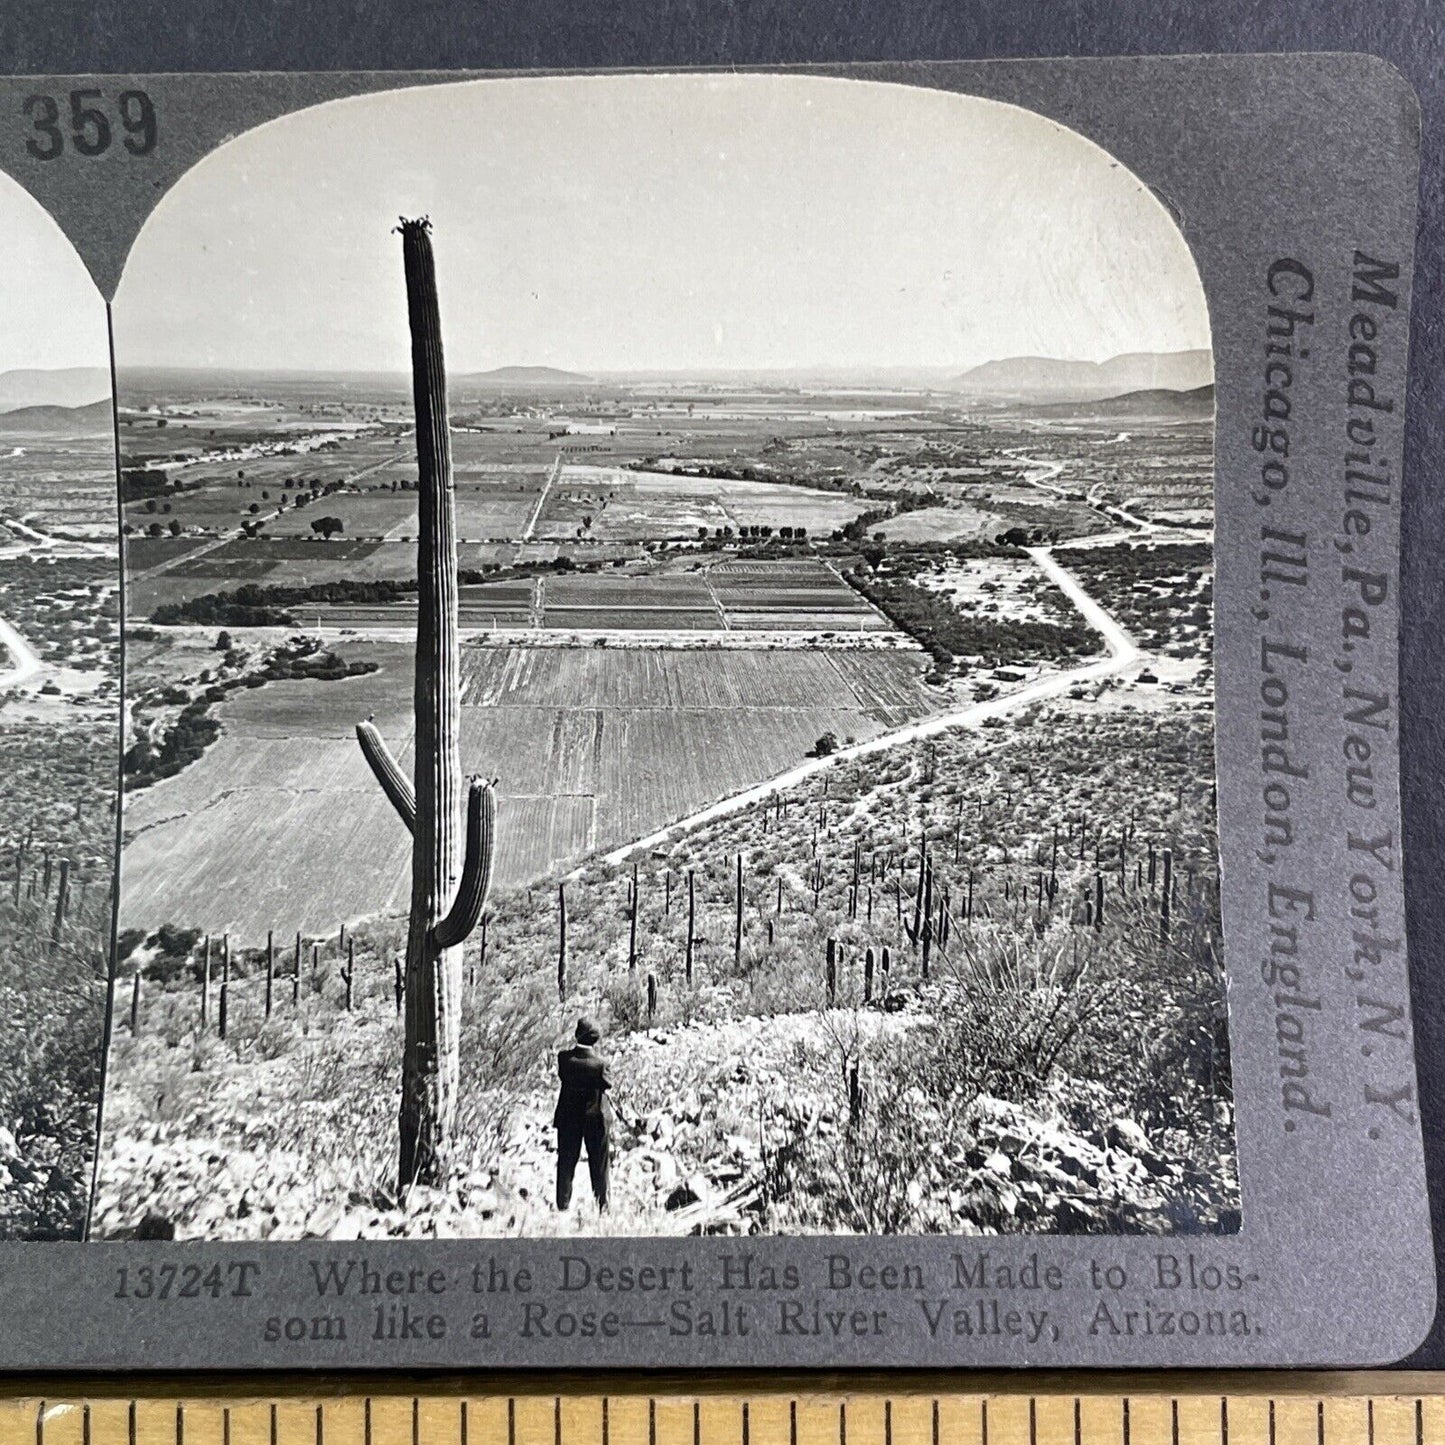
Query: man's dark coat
(581, 1119)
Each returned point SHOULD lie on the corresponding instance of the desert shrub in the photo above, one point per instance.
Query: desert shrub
(173, 949)
(1022, 1001)
(625, 1000)
(49, 1083)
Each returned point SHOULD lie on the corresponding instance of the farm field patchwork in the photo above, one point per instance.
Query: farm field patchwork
(592, 747)
(65, 485)
(626, 504)
(801, 596)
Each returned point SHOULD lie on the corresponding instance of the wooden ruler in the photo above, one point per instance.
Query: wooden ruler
(1320, 1409)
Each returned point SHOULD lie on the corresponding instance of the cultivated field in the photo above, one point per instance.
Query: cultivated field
(59, 485)
(758, 1033)
(592, 746)
(678, 612)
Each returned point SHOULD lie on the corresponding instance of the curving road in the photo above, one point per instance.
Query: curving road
(24, 664)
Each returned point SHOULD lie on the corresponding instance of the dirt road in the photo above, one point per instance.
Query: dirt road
(70, 547)
(24, 664)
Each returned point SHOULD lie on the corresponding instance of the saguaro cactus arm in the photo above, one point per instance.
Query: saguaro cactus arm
(476, 879)
(394, 783)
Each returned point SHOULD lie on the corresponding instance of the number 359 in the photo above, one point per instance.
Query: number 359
(88, 127)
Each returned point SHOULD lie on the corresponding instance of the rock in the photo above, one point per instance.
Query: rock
(693, 1190)
(422, 1199)
(1126, 1135)
(482, 1202)
(742, 1147)
(726, 1220)
(1074, 1215)
(1000, 1164)
(155, 1225)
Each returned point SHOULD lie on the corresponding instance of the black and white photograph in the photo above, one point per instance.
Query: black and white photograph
(59, 721)
(669, 678)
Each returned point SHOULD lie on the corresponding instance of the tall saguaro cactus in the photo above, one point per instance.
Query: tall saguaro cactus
(450, 871)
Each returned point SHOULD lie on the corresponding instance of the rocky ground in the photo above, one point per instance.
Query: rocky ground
(733, 1126)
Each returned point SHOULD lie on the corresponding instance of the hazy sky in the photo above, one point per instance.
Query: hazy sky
(51, 315)
(661, 222)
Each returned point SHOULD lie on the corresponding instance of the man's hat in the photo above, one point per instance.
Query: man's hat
(587, 1031)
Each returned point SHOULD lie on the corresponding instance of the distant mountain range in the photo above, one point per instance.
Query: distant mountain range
(1050, 379)
(528, 378)
(73, 421)
(68, 387)
(1154, 404)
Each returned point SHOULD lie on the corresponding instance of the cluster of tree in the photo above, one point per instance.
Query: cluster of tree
(924, 556)
(148, 760)
(233, 609)
(155, 529)
(170, 948)
(1164, 595)
(253, 605)
(862, 526)
(753, 532)
(949, 634)
(732, 472)
(138, 483)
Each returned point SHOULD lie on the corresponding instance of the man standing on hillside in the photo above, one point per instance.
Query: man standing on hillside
(580, 1117)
